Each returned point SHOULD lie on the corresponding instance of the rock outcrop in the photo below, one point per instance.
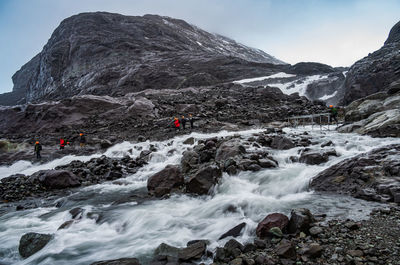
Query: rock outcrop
(377, 115)
(371, 176)
(375, 72)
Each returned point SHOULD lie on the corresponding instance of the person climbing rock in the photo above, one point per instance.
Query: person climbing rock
(177, 124)
(38, 148)
(183, 122)
(191, 120)
(62, 143)
(333, 113)
(82, 140)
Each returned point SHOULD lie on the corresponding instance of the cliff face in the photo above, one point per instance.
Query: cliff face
(112, 54)
(375, 72)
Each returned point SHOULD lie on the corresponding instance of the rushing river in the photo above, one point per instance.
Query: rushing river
(135, 228)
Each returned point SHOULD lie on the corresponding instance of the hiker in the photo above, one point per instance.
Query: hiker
(191, 120)
(62, 143)
(333, 113)
(183, 122)
(177, 124)
(38, 148)
(82, 140)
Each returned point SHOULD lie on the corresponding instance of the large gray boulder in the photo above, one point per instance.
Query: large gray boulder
(190, 160)
(165, 181)
(281, 143)
(57, 179)
(31, 243)
(300, 220)
(204, 179)
(229, 149)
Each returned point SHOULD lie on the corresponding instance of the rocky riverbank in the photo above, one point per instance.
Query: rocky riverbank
(301, 239)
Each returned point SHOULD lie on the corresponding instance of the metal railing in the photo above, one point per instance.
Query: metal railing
(323, 120)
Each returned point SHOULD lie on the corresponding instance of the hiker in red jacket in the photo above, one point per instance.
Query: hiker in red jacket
(177, 124)
(62, 143)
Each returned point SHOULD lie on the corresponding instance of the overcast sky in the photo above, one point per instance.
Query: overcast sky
(335, 32)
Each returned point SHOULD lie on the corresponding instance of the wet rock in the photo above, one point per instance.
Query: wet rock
(271, 220)
(281, 143)
(328, 143)
(267, 163)
(112, 175)
(165, 181)
(167, 250)
(76, 213)
(234, 232)
(229, 149)
(189, 141)
(286, 250)
(300, 220)
(57, 179)
(31, 243)
(193, 251)
(123, 261)
(204, 180)
(313, 158)
(66, 224)
(367, 176)
(141, 138)
(104, 144)
(190, 160)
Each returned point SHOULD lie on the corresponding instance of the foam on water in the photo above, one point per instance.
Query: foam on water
(136, 229)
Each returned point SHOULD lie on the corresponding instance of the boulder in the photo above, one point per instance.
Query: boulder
(104, 144)
(164, 181)
(193, 251)
(234, 232)
(190, 160)
(314, 250)
(281, 143)
(267, 163)
(369, 176)
(315, 230)
(300, 220)
(76, 213)
(31, 243)
(313, 158)
(57, 179)
(166, 250)
(229, 149)
(286, 250)
(123, 261)
(271, 220)
(204, 180)
(142, 107)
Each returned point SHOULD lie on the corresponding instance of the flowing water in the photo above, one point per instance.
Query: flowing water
(135, 228)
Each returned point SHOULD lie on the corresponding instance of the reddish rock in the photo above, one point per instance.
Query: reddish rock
(271, 220)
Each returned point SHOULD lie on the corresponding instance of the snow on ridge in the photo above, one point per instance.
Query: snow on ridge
(299, 85)
(261, 78)
(328, 96)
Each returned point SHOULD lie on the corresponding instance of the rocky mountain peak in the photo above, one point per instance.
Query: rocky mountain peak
(111, 54)
(394, 34)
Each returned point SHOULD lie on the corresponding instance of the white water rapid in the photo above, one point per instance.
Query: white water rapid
(136, 228)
